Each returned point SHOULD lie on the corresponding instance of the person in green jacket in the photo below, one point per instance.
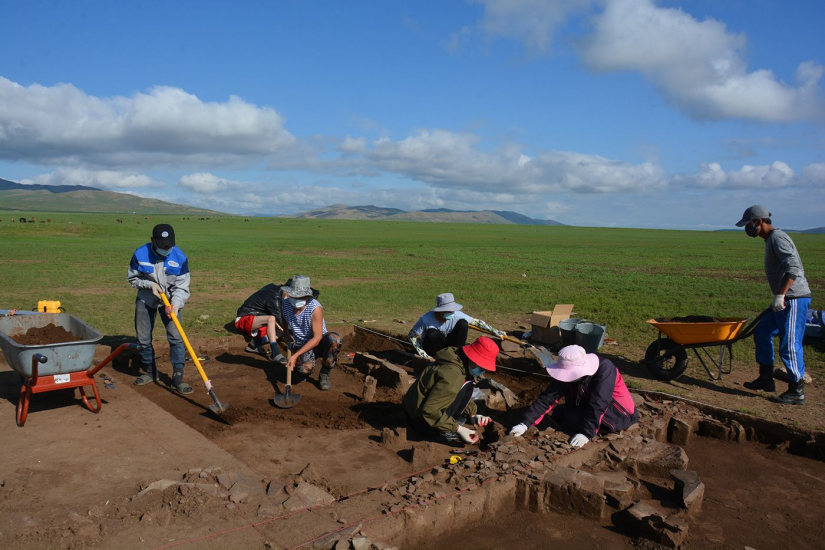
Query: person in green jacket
(439, 403)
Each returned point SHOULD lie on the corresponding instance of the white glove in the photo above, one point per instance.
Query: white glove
(499, 333)
(156, 290)
(481, 420)
(467, 435)
(518, 430)
(579, 440)
(778, 302)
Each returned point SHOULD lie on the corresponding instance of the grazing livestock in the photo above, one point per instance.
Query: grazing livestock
(23, 220)
(119, 220)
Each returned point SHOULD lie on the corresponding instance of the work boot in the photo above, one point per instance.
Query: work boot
(178, 384)
(277, 357)
(765, 382)
(323, 380)
(794, 396)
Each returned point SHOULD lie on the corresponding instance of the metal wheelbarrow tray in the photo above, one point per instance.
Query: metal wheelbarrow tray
(667, 357)
(53, 366)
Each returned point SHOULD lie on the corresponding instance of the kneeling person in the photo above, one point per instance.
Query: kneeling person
(595, 397)
(258, 320)
(304, 317)
(440, 403)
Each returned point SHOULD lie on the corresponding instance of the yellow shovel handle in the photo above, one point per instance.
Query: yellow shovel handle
(192, 353)
(505, 337)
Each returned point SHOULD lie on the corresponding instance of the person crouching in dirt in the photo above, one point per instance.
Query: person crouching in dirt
(596, 398)
(439, 403)
(304, 317)
(160, 267)
(444, 326)
(258, 321)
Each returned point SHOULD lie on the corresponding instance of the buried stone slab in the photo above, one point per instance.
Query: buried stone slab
(679, 430)
(563, 490)
(655, 458)
(654, 521)
(306, 495)
(386, 373)
(690, 490)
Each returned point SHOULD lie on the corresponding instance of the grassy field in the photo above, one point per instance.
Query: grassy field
(392, 270)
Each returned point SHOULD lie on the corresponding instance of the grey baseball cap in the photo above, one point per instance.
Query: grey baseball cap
(752, 213)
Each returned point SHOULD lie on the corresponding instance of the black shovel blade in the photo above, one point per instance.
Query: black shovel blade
(217, 407)
(287, 399)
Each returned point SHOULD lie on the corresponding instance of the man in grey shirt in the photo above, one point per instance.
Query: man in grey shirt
(788, 312)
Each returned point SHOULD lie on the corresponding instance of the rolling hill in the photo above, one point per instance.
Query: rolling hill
(79, 198)
(370, 212)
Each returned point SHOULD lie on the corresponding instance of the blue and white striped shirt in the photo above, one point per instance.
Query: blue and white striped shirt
(301, 325)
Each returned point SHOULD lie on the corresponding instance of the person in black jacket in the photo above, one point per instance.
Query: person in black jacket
(260, 319)
(595, 397)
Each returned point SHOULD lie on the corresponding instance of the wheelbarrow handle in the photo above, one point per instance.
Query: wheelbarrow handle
(36, 358)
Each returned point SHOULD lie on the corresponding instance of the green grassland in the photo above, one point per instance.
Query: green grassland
(393, 270)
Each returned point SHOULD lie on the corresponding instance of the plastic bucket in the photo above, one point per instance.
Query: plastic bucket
(590, 336)
(568, 331)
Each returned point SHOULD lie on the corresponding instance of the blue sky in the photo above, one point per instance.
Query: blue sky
(618, 113)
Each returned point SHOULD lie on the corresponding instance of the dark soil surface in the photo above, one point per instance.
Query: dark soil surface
(50, 334)
(755, 496)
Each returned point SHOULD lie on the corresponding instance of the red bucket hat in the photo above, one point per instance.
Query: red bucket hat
(482, 352)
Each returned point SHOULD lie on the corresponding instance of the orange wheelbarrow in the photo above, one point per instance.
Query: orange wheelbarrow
(667, 357)
(54, 366)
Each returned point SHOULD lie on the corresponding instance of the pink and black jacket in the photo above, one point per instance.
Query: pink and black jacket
(604, 400)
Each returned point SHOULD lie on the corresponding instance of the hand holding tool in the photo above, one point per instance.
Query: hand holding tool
(467, 435)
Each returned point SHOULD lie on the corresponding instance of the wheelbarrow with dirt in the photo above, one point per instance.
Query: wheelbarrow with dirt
(53, 366)
(667, 357)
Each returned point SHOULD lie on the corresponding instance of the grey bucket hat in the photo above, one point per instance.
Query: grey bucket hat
(446, 302)
(757, 211)
(298, 287)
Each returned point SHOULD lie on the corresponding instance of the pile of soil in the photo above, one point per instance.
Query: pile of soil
(690, 319)
(50, 334)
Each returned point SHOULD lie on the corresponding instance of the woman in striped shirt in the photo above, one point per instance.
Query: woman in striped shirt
(304, 316)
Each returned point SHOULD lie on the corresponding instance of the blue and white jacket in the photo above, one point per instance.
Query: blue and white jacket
(171, 273)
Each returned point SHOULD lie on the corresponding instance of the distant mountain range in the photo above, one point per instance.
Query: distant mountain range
(370, 212)
(80, 198)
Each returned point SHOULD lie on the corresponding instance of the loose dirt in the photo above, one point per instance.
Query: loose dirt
(73, 479)
(49, 334)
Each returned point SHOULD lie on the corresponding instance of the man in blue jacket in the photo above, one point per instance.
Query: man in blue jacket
(160, 267)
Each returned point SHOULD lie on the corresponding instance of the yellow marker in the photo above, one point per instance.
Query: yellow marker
(455, 459)
(48, 306)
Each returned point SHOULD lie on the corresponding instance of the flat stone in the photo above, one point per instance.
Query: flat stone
(274, 488)
(679, 431)
(361, 543)
(656, 458)
(306, 495)
(159, 485)
(386, 373)
(714, 429)
(690, 489)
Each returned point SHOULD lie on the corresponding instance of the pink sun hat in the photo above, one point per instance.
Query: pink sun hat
(574, 362)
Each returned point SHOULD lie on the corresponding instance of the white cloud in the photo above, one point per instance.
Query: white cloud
(104, 179)
(206, 183)
(531, 21)
(813, 175)
(449, 160)
(62, 124)
(351, 146)
(712, 176)
(698, 65)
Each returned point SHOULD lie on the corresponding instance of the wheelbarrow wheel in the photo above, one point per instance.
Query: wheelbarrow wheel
(665, 359)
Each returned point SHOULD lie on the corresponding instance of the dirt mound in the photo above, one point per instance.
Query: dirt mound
(328, 419)
(366, 340)
(50, 334)
(689, 319)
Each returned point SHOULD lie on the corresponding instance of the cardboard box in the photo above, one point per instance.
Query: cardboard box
(546, 324)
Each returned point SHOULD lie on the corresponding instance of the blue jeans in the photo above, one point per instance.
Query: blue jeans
(789, 325)
(145, 323)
